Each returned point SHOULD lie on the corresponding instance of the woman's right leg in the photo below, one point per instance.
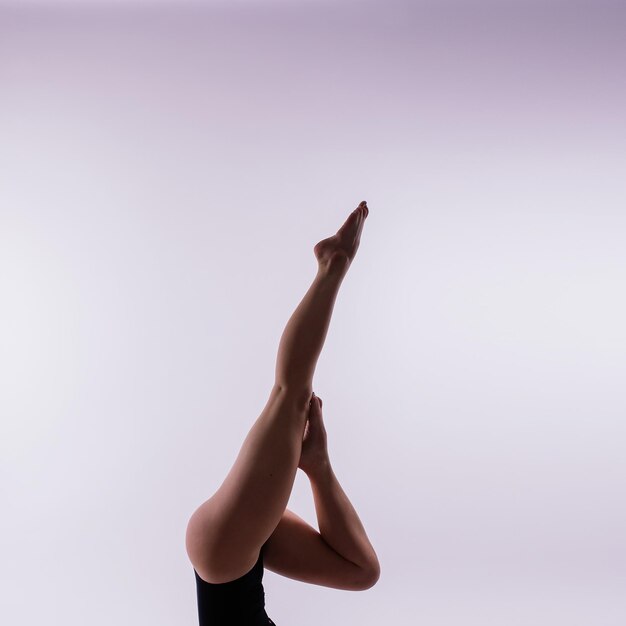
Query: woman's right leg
(225, 533)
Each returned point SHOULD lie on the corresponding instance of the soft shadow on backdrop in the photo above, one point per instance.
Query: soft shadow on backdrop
(165, 172)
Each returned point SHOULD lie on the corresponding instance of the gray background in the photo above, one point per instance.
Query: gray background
(165, 172)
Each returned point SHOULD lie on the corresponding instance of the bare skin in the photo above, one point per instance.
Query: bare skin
(314, 453)
(225, 533)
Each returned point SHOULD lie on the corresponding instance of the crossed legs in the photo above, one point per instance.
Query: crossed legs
(225, 533)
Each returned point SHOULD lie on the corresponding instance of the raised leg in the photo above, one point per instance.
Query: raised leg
(225, 533)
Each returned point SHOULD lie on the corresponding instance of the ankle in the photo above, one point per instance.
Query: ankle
(336, 264)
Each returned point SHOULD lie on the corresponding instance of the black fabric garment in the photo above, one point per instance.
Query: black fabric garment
(239, 602)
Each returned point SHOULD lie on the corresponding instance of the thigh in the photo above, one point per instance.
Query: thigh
(225, 533)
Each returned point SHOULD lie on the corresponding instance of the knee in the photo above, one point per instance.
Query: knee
(297, 395)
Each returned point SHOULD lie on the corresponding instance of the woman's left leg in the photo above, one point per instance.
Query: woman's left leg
(225, 533)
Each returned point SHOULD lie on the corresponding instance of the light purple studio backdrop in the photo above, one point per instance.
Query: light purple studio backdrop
(165, 172)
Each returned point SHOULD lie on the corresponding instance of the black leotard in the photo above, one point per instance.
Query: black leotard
(239, 602)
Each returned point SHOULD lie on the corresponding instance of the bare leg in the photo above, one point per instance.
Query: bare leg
(225, 533)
